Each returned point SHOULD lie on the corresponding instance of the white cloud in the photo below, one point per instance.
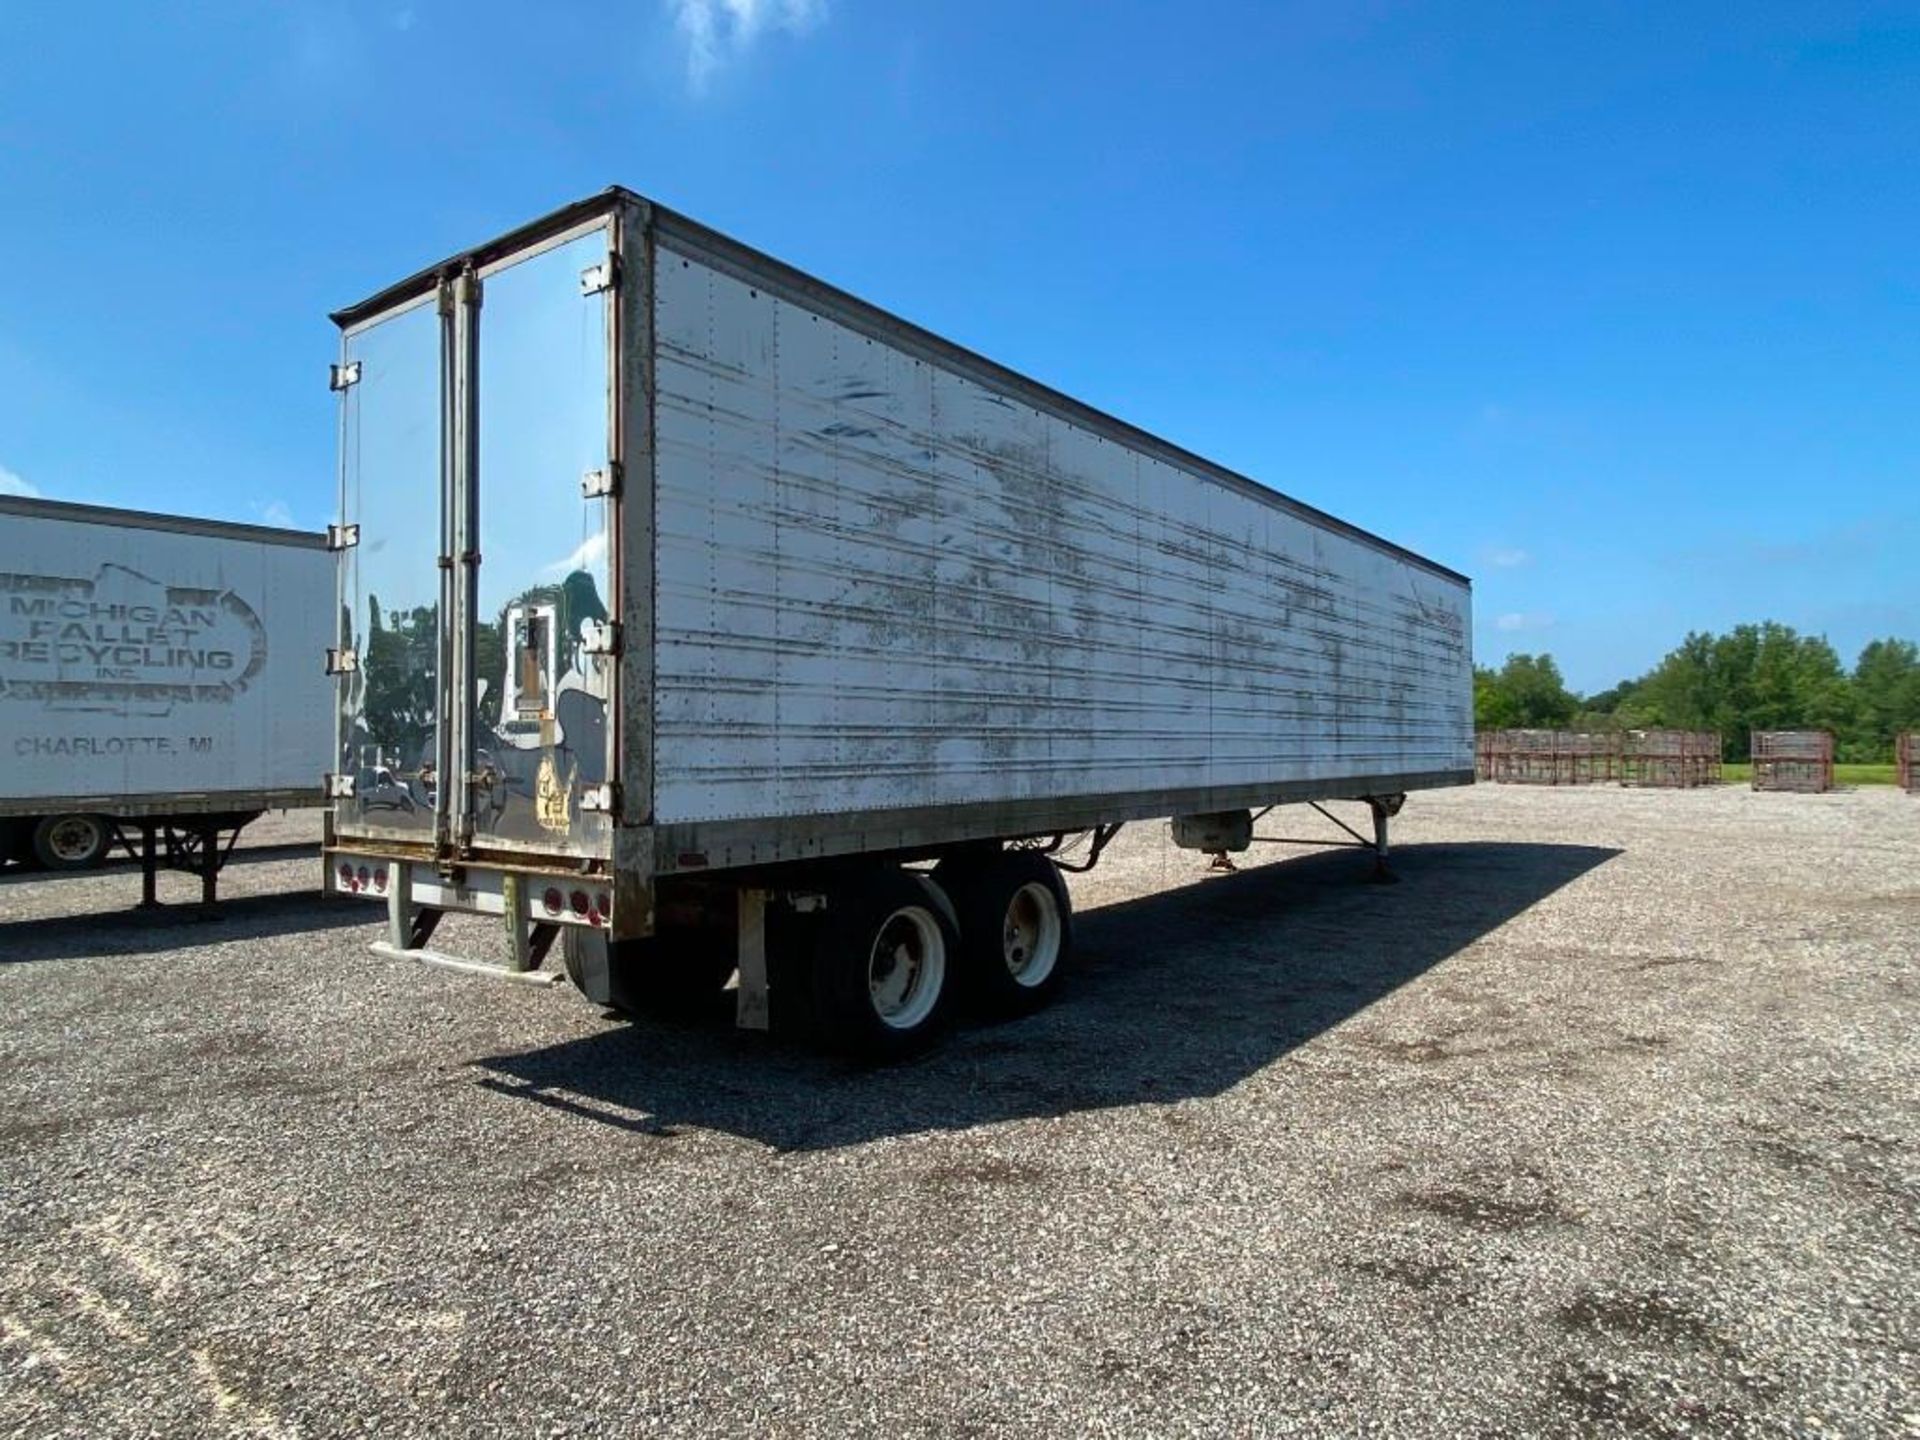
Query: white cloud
(1524, 620)
(590, 555)
(12, 484)
(716, 32)
(275, 512)
(1508, 557)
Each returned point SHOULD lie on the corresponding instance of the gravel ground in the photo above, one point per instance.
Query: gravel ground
(1602, 1121)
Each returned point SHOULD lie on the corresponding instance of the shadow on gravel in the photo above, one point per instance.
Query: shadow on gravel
(176, 927)
(1178, 994)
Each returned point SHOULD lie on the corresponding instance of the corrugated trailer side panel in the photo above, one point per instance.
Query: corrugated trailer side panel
(141, 660)
(884, 584)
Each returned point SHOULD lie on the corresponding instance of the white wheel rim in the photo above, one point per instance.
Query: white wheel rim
(1030, 934)
(906, 967)
(73, 839)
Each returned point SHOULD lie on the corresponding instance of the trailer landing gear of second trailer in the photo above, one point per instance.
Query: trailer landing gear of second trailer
(195, 844)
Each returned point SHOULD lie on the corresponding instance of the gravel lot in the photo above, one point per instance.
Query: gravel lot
(1605, 1120)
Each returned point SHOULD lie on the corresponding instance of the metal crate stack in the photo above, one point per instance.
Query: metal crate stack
(1670, 759)
(1548, 757)
(1798, 760)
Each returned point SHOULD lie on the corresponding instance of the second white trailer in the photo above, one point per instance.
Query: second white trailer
(720, 595)
(161, 680)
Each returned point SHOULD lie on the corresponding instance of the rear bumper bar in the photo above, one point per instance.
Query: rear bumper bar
(535, 896)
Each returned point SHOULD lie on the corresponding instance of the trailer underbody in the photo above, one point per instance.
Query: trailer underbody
(986, 919)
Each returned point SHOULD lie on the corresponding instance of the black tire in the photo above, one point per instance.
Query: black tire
(680, 974)
(71, 842)
(883, 959)
(1016, 928)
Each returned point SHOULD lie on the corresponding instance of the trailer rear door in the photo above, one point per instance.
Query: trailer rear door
(393, 592)
(476, 463)
(543, 632)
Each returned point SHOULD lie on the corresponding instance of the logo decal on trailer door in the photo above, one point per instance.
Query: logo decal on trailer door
(552, 797)
(123, 643)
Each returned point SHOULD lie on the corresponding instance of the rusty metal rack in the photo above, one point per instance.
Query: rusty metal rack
(1670, 759)
(1547, 757)
(1799, 760)
(1906, 759)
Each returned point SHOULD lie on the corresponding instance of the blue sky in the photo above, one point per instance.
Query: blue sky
(1615, 307)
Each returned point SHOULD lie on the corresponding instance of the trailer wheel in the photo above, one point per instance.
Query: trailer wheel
(71, 842)
(677, 974)
(885, 952)
(1016, 928)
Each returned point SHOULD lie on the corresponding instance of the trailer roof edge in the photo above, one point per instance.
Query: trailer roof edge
(892, 326)
(81, 514)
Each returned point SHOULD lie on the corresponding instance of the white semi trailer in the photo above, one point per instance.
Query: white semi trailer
(159, 682)
(690, 604)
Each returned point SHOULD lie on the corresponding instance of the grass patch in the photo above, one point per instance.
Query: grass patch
(1843, 774)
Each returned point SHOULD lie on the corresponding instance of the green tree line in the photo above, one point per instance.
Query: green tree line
(1755, 677)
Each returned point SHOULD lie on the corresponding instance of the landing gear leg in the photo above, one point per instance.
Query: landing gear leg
(210, 862)
(1384, 808)
(149, 871)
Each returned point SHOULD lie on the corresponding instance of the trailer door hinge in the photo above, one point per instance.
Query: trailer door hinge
(596, 483)
(339, 377)
(603, 276)
(342, 662)
(604, 799)
(342, 537)
(339, 787)
(600, 637)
